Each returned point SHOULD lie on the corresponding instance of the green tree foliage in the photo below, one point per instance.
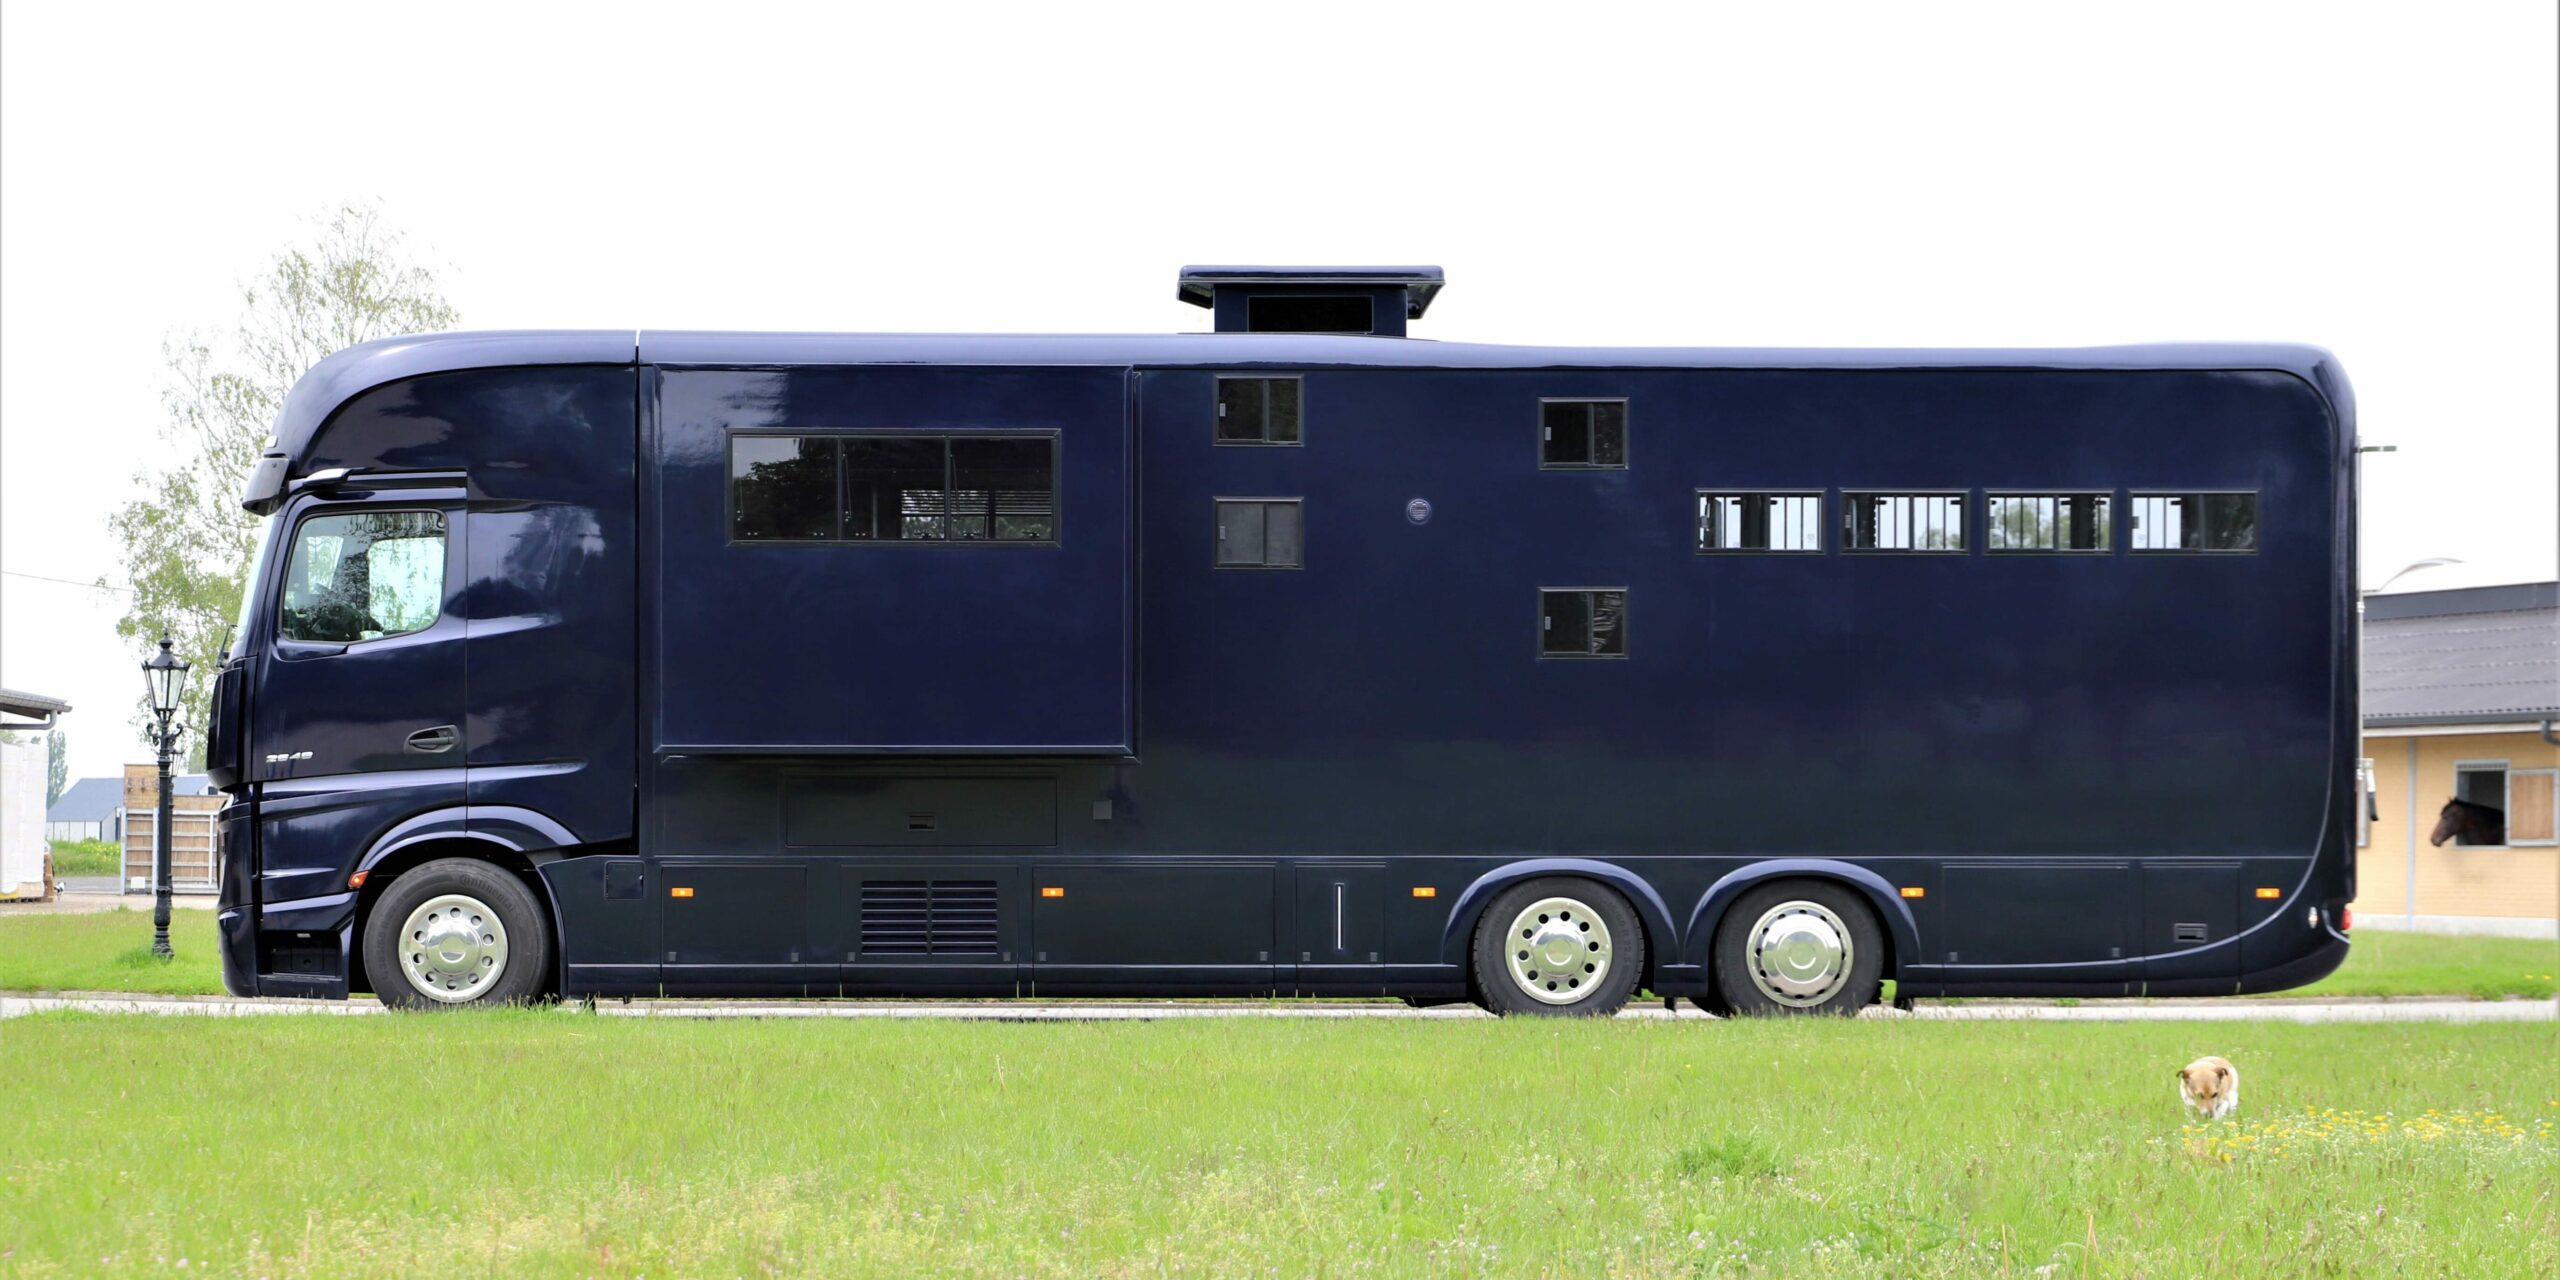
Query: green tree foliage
(57, 766)
(188, 545)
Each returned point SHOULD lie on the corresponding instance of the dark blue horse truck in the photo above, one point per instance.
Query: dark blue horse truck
(1296, 658)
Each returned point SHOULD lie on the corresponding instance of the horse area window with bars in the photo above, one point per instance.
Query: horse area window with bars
(2047, 522)
(1582, 622)
(894, 489)
(1258, 410)
(1729, 521)
(2194, 522)
(1906, 522)
(1582, 434)
(1261, 533)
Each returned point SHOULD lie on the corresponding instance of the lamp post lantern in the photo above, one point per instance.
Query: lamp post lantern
(166, 675)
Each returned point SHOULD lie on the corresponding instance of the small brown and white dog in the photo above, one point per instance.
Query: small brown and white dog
(2210, 1087)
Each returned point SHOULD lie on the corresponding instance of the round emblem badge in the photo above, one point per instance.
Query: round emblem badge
(1418, 511)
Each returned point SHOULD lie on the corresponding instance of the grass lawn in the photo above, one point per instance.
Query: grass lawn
(108, 951)
(553, 1143)
(2424, 964)
(88, 858)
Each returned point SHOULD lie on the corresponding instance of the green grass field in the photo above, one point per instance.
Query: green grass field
(111, 952)
(108, 951)
(555, 1143)
(88, 858)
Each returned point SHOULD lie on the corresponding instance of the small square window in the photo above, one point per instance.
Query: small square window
(1261, 533)
(1582, 622)
(2047, 522)
(1582, 434)
(1730, 521)
(2195, 522)
(1258, 410)
(1903, 522)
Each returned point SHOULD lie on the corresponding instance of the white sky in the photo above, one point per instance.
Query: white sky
(2376, 179)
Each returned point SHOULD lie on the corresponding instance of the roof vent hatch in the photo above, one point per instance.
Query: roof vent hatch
(1348, 300)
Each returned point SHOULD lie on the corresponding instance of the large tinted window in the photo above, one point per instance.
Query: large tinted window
(364, 576)
(1001, 489)
(783, 487)
(990, 487)
(894, 487)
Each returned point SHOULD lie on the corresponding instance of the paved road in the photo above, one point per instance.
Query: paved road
(1145, 1011)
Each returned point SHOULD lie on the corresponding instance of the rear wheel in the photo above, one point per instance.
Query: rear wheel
(1558, 946)
(454, 933)
(1798, 947)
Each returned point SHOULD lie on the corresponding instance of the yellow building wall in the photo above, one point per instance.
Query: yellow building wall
(2516, 882)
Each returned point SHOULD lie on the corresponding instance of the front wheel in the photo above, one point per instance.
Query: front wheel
(456, 932)
(1798, 947)
(1558, 946)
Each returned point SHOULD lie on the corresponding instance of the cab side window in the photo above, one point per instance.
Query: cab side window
(364, 576)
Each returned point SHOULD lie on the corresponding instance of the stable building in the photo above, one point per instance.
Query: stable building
(2461, 703)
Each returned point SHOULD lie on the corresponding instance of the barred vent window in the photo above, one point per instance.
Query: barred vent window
(2047, 522)
(1730, 521)
(2195, 522)
(1907, 522)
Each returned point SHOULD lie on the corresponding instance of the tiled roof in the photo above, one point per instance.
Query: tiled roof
(2472, 656)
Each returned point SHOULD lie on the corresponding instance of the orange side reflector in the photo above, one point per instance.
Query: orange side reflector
(1053, 891)
(680, 891)
(2346, 919)
(356, 881)
(2270, 893)
(1426, 891)
(1915, 891)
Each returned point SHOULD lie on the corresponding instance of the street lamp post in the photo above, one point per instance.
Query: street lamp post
(166, 674)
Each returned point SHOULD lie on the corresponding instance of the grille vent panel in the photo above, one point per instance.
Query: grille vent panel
(929, 918)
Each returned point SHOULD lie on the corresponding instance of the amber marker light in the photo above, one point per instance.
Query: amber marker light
(1915, 891)
(1053, 891)
(356, 881)
(2270, 893)
(1426, 891)
(680, 891)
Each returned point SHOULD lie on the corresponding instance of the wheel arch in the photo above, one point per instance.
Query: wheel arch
(518, 840)
(1458, 935)
(1902, 933)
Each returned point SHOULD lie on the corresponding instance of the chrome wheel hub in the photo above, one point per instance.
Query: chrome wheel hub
(452, 948)
(1558, 950)
(1800, 954)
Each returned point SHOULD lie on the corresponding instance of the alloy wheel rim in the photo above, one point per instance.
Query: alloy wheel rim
(453, 948)
(1558, 950)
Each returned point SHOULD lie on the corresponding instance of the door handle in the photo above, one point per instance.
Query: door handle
(438, 739)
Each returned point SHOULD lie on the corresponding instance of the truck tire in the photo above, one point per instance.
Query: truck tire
(457, 933)
(1558, 946)
(1797, 947)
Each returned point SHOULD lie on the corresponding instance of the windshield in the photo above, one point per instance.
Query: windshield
(249, 586)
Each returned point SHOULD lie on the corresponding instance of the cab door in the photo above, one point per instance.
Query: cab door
(357, 721)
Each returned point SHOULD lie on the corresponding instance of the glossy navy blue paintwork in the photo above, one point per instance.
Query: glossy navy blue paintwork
(1238, 779)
